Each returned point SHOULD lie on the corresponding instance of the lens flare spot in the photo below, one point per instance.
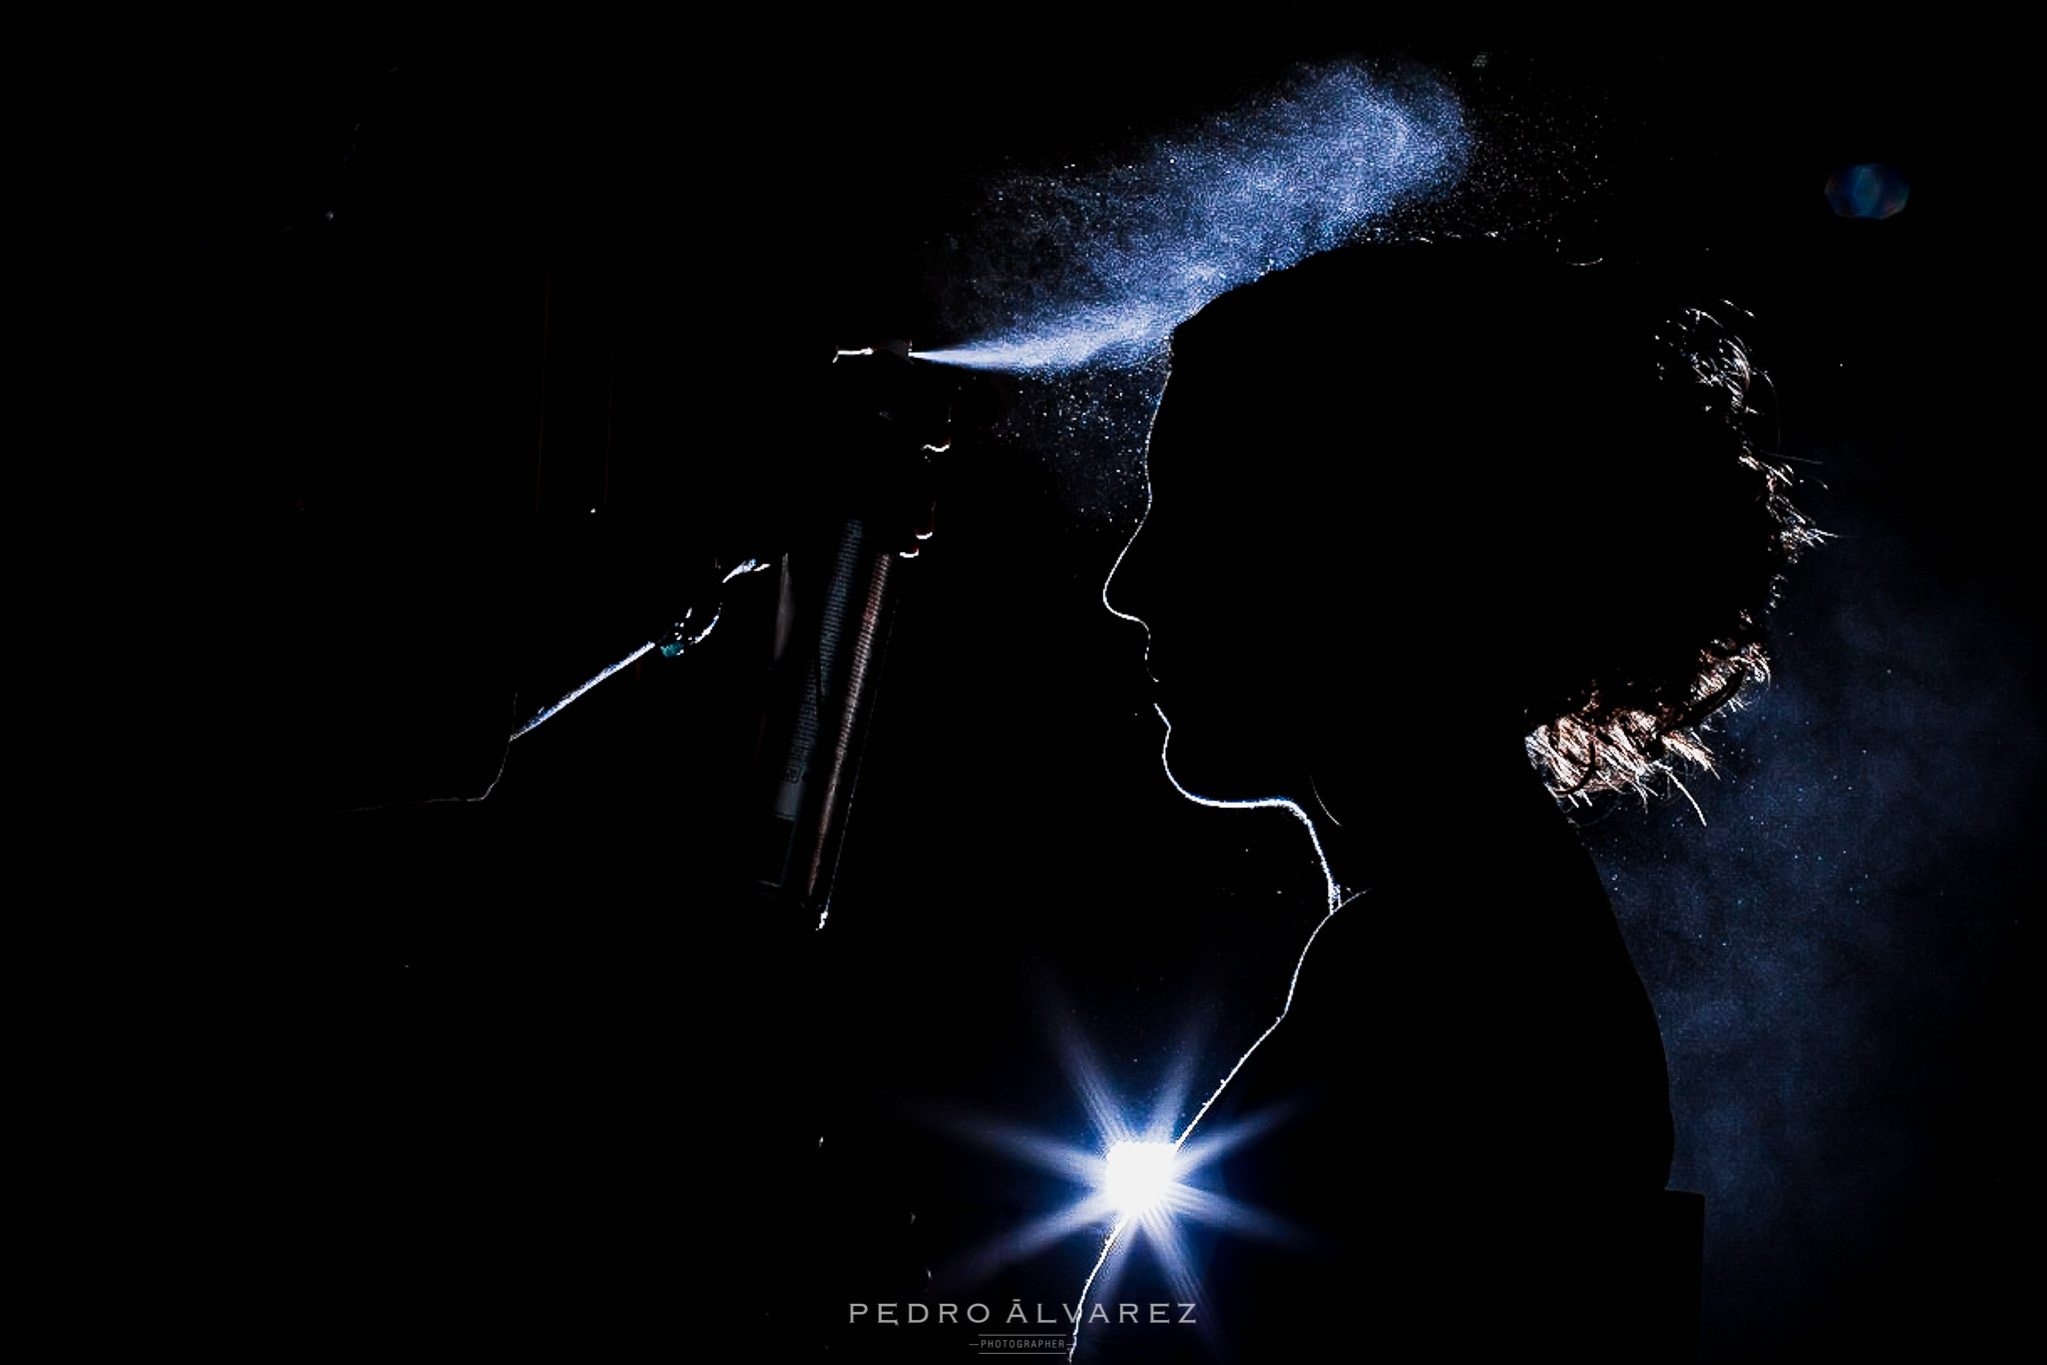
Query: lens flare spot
(1139, 1176)
(1871, 190)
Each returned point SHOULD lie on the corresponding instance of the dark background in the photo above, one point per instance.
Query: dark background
(417, 309)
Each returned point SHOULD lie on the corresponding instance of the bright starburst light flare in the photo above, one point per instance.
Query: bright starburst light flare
(1140, 1174)
(1138, 1179)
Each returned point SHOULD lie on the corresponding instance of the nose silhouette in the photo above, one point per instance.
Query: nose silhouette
(1125, 593)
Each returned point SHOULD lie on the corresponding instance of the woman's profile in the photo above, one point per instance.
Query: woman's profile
(1440, 536)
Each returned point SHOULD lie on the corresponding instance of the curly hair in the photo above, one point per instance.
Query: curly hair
(1636, 715)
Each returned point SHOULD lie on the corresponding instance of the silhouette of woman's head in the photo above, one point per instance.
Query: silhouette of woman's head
(1412, 501)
